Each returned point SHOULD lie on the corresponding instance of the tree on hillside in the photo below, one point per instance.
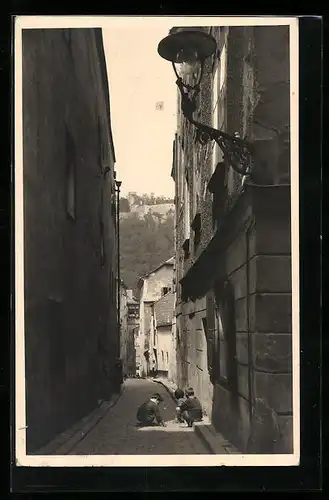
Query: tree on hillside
(144, 244)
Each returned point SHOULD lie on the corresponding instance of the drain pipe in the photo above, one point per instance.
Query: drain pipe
(119, 361)
(118, 184)
(249, 339)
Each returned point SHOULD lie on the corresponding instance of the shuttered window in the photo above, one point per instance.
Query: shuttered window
(225, 335)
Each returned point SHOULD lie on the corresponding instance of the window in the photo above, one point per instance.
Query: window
(187, 226)
(186, 248)
(113, 201)
(196, 226)
(215, 97)
(208, 328)
(181, 187)
(70, 176)
(165, 290)
(186, 207)
(223, 67)
(196, 184)
(220, 344)
(215, 105)
(219, 102)
(103, 160)
(224, 343)
(217, 186)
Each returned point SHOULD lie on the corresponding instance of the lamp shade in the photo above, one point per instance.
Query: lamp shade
(187, 46)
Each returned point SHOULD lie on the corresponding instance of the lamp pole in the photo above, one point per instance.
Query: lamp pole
(118, 185)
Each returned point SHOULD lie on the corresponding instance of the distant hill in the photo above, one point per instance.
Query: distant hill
(143, 204)
(146, 236)
(133, 200)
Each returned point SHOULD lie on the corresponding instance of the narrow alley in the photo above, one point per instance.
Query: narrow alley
(178, 271)
(117, 434)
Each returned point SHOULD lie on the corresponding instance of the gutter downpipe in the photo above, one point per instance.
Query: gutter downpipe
(249, 339)
(118, 184)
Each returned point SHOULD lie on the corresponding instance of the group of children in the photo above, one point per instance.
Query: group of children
(188, 409)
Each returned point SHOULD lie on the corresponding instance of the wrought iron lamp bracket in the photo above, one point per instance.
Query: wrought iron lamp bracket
(238, 153)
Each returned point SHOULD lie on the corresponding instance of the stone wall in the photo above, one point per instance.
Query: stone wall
(124, 332)
(254, 409)
(132, 325)
(271, 317)
(70, 333)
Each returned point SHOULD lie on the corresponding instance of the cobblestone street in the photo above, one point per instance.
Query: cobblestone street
(117, 434)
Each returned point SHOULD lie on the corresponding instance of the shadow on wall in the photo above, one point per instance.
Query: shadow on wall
(249, 423)
(221, 345)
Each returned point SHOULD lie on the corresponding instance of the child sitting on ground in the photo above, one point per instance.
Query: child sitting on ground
(180, 396)
(191, 409)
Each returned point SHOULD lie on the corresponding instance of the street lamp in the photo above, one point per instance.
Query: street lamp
(118, 365)
(187, 49)
(118, 185)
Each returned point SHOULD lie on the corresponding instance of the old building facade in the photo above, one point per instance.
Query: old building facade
(233, 336)
(162, 314)
(129, 315)
(151, 287)
(71, 335)
(133, 325)
(124, 327)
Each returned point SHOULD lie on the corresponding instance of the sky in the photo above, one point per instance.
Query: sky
(138, 79)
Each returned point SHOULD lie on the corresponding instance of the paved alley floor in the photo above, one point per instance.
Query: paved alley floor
(117, 434)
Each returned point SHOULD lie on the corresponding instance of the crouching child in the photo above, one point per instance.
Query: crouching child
(180, 397)
(191, 409)
(149, 414)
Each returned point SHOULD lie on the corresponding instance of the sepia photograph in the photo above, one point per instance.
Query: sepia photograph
(156, 241)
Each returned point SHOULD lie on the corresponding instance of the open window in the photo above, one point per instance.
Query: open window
(196, 226)
(186, 248)
(217, 186)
